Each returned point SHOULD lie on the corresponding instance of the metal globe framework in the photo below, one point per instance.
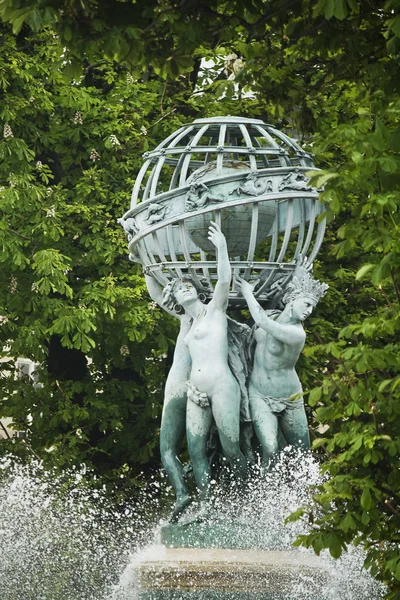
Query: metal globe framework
(247, 176)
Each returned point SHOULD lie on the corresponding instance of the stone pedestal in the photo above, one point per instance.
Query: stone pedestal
(220, 573)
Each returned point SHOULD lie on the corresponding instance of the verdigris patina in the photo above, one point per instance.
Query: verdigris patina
(275, 391)
(206, 383)
(212, 390)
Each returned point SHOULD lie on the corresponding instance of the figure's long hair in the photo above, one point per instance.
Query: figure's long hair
(169, 299)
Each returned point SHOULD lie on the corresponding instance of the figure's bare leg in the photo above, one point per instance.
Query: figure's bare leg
(295, 428)
(265, 424)
(226, 412)
(198, 425)
(172, 432)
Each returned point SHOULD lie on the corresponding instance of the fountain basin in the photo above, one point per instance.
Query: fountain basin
(231, 573)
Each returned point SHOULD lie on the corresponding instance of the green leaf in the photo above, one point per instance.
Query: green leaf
(357, 442)
(348, 523)
(318, 180)
(19, 18)
(329, 9)
(67, 33)
(318, 442)
(340, 9)
(366, 499)
(384, 384)
(173, 68)
(334, 545)
(365, 518)
(364, 270)
(314, 396)
(295, 516)
(394, 25)
(393, 449)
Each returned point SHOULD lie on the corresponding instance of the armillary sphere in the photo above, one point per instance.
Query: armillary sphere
(247, 176)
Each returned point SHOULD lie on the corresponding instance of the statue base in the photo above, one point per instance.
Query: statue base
(193, 573)
(215, 534)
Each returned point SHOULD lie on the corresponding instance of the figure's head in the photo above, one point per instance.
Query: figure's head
(180, 291)
(302, 307)
(302, 296)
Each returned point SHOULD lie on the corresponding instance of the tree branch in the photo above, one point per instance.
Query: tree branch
(5, 430)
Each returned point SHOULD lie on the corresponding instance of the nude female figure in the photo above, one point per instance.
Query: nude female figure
(275, 391)
(213, 391)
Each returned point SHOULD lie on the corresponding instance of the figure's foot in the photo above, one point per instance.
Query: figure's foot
(181, 505)
(202, 515)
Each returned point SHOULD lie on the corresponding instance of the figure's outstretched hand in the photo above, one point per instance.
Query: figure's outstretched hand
(244, 286)
(216, 236)
(303, 266)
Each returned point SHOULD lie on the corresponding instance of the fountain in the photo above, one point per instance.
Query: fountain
(219, 196)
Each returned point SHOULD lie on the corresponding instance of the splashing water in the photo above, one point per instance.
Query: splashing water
(61, 540)
(260, 515)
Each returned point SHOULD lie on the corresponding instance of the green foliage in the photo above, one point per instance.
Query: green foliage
(69, 298)
(324, 70)
(357, 402)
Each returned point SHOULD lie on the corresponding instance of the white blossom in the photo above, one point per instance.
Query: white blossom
(114, 140)
(129, 79)
(35, 288)
(237, 65)
(39, 165)
(7, 131)
(143, 130)
(233, 64)
(13, 285)
(51, 212)
(78, 118)
(94, 155)
(230, 58)
(124, 350)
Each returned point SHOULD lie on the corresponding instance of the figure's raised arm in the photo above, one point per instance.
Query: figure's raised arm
(285, 333)
(224, 271)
